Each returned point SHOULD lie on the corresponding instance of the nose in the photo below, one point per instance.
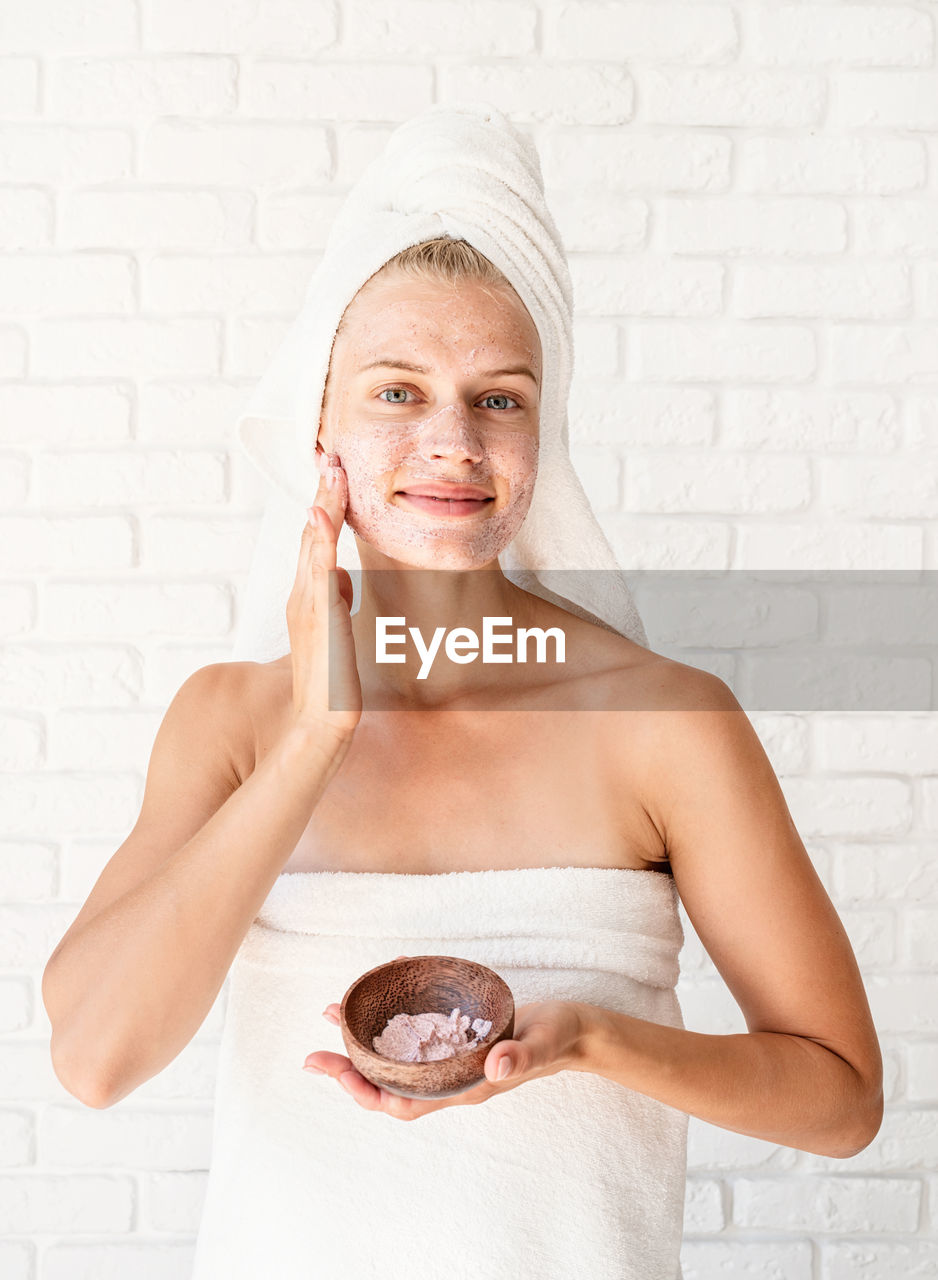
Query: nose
(448, 433)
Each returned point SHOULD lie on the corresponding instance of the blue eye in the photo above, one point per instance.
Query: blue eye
(494, 396)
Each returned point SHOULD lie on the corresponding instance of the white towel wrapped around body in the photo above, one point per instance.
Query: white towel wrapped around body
(563, 1177)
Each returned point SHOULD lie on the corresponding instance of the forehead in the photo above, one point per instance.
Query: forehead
(422, 313)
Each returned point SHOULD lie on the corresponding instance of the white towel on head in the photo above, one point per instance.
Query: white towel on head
(464, 171)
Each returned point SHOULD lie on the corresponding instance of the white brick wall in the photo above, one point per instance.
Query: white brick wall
(747, 192)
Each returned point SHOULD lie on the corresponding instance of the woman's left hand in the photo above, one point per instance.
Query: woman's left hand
(546, 1038)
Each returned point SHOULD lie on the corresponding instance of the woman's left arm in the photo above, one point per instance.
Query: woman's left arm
(808, 1073)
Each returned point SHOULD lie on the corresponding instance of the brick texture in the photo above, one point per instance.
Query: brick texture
(746, 194)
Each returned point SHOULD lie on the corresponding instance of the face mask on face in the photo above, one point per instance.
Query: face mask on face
(419, 436)
(382, 458)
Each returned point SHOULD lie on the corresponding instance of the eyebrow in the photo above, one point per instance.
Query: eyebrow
(417, 368)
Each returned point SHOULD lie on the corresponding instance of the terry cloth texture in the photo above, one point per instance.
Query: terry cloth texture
(462, 170)
(562, 1177)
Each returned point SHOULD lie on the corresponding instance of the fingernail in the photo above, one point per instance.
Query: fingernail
(330, 478)
(504, 1068)
(318, 1070)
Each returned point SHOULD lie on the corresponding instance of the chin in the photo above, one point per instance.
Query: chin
(430, 557)
(432, 549)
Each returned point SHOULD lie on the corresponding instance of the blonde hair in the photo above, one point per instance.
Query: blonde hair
(443, 260)
(448, 261)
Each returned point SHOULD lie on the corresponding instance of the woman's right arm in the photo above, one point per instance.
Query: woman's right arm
(129, 989)
(141, 966)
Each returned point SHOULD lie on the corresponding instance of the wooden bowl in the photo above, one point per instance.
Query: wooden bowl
(424, 984)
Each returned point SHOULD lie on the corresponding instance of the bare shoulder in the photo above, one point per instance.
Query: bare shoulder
(662, 709)
(616, 674)
(631, 677)
(692, 752)
(661, 719)
(656, 683)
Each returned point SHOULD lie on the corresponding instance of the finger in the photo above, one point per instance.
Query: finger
(535, 1049)
(332, 494)
(340, 584)
(317, 546)
(332, 1064)
(346, 590)
(333, 501)
(365, 1093)
(323, 538)
(306, 544)
(319, 540)
(340, 1069)
(505, 1051)
(333, 497)
(310, 593)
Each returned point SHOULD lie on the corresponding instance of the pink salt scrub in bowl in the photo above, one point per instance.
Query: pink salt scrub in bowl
(422, 1026)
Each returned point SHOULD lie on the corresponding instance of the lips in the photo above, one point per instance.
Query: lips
(445, 501)
(451, 491)
(446, 498)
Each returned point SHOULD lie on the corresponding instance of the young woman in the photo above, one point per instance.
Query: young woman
(308, 818)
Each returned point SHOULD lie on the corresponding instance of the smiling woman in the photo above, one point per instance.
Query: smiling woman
(457, 423)
(310, 811)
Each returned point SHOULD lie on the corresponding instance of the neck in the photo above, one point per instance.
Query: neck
(434, 602)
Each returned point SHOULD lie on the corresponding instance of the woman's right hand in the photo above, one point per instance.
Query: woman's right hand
(319, 620)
